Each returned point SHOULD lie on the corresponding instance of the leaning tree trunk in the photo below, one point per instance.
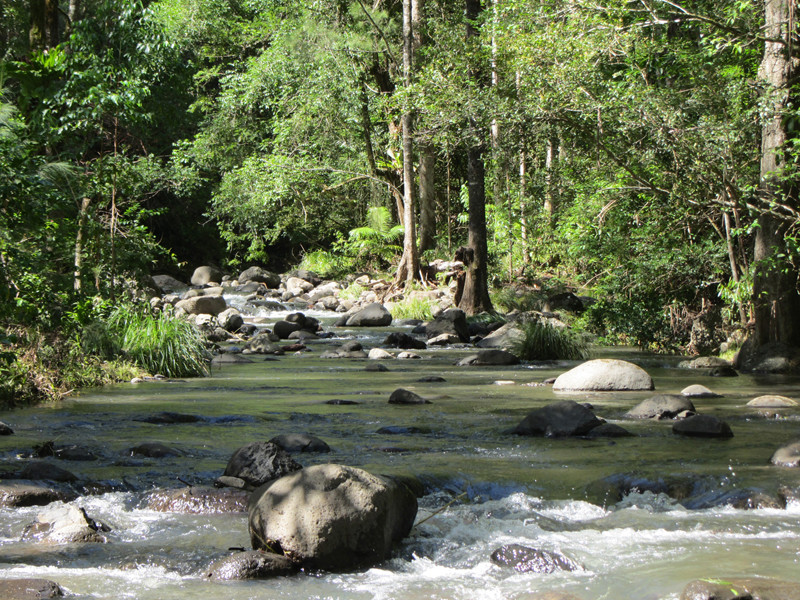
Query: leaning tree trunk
(775, 296)
(475, 298)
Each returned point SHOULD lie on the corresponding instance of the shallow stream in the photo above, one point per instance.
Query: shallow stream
(532, 491)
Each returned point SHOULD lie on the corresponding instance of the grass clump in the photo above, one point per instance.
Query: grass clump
(413, 307)
(542, 341)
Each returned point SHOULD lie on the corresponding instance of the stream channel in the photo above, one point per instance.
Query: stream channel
(531, 491)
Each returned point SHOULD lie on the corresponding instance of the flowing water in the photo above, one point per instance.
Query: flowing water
(532, 491)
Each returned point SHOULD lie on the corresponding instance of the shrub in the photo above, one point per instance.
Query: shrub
(542, 341)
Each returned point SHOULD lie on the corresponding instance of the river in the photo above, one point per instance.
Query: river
(532, 491)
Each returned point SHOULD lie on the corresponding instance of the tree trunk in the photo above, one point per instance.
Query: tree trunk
(36, 33)
(83, 214)
(550, 191)
(775, 297)
(51, 17)
(427, 198)
(475, 298)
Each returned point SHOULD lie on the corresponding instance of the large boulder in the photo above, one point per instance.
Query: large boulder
(453, 320)
(169, 285)
(772, 401)
(331, 516)
(769, 358)
(29, 589)
(205, 275)
(260, 462)
(202, 305)
(65, 524)
(741, 589)
(662, 406)
(505, 337)
(259, 275)
(372, 315)
(405, 341)
(559, 419)
(787, 456)
(604, 374)
(251, 564)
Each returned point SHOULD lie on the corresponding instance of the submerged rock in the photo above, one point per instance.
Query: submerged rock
(300, 442)
(741, 589)
(40, 470)
(169, 418)
(199, 500)
(661, 406)
(259, 462)
(404, 341)
(27, 493)
(532, 560)
(403, 396)
(153, 450)
(331, 516)
(559, 419)
(29, 589)
(707, 426)
(699, 391)
(5, 429)
(787, 456)
(490, 357)
(770, 401)
(604, 374)
(251, 564)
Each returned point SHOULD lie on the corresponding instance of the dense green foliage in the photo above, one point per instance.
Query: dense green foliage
(542, 341)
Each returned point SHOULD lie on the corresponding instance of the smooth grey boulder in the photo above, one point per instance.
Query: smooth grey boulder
(559, 419)
(205, 275)
(403, 396)
(741, 589)
(492, 357)
(202, 305)
(331, 516)
(771, 401)
(297, 286)
(402, 340)
(372, 315)
(698, 391)
(604, 375)
(250, 564)
(300, 442)
(505, 337)
(259, 462)
(169, 285)
(29, 589)
(259, 275)
(379, 354)
(445, 339)
(787, 456)
(704, 362)
(661, 406)
(453, 320)
(707, 426)
(532, 560)
(65, 524)
(28, 493)
(199, 500)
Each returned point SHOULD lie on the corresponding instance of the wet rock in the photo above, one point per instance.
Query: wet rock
(340, 402)
(27, 493)
(770, 401)
(559, 419)
(205, 275)
(403, 396)
(398, 430)
(770, 358)
(44, 471)
(609, 430)
(169, 418)
(65, 524)
(251, 564)
(29, 589)
(300, 442)
(259, 462)
(230, 359)
(445, 339)
(297, 285)
(376, 367)
(432, 379)
(406, 355)
(661, 406)
(153, 450)
(707, 426)
(263, 343)
(787, 456)
(379, 354)
(704, 362)
(452, 321)
(699, 391)
(230, 320)
(228, 481)
(532, 560)
(610, 490)
(726, 371)
(332, 516)
(372, 315)
(404, 341)
(604, 374)
(202, 305)
(5, 429)
(169, 285)
(490, 357)
(259, 275)
(69, 452)
(741, 589)
(302, 335)
(199, 500)
(742, 499)
(505, 337)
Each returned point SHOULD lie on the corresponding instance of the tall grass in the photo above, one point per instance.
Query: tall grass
(414, 307)
(159, 343)
(542, 341)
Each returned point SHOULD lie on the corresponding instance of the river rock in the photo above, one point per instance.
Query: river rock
(202, 305)
(661, 406)
(372, 315)
(169, 418)
(199, 500)
(5, 429)
(741, 589)
(406, 355)
(251, 564)
(604, 374)
(532, 560)
(769, 358)
(699, 391)
(65, 524)
(297, 286)
(506, 337)
(230, 319)
(29, 589)
(564, 301)
(331, 516)
(263, 343)
(205, 275)
(169, 285)
(609, 430)
(376, 368)
(259, 462)
(259, 275)
(787, 456)
(453, 321)
(492, 357)
(770, 401)
(379, 354)
(445, 339)
(300, 442)
(153, 450)
(27, 493)
(402, 340)
(704, 362)
(559, 419)
(403, 396)
(283, 329)
(741, 499)
(39, 470)
(229, 359)
(707, 426)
